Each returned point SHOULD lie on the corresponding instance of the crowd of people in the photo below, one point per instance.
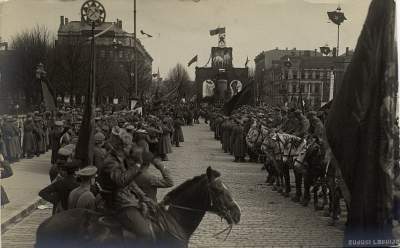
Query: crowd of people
(125, 142)
(286, 140)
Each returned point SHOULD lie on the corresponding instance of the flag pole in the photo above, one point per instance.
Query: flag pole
(135, 48)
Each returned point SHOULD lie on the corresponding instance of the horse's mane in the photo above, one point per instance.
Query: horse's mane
(179, 189)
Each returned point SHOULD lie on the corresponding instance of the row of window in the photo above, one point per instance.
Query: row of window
(306, 75)
(304, 88)
(312, 101)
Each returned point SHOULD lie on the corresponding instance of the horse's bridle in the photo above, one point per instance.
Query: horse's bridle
(212, 208)
(221, 211)
(302, 162)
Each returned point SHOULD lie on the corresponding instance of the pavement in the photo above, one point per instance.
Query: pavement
(30, 176)
(268, 219)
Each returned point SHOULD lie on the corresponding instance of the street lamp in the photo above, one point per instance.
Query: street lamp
(337, 17)
(40, 72)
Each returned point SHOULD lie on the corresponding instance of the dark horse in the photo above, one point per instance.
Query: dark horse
(179, 214)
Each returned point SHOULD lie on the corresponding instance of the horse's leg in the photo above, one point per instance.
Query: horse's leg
(317, 186)
(330, 197)
(286, 175)
(298, 179)
(325, 193)
(307, 186)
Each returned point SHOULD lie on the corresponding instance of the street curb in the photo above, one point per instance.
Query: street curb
(21, 214)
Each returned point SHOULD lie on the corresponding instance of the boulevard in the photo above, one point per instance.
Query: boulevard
(267, 217)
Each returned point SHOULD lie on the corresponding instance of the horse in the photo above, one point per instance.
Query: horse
(287, 146)
(311, 163)
(179, 214)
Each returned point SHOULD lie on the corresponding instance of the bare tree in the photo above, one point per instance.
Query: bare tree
(31, 47)
(178, 78)
(70, 67)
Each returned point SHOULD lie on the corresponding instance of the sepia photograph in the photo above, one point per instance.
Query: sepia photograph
(199, 123)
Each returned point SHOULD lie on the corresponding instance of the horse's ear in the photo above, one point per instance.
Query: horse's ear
(212, 174)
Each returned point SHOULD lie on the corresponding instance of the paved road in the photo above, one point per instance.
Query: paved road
(268, 219)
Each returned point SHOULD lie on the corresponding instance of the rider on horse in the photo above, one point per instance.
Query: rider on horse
(119, 190)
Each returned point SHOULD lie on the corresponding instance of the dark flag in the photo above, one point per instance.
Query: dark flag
(217, 31)
(244, 97)
(336, 17)
(361, 126)
(194, 59)
(85, 145)
(325, 50)
(247, 61)
(48, 97)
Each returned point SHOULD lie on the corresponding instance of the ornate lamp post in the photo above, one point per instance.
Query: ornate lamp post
(40, 75)
(94, 14)
(337, 17)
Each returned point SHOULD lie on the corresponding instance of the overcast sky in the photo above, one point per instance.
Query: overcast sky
(181, 27)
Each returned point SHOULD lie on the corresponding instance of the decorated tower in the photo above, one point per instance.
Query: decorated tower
(220, 81)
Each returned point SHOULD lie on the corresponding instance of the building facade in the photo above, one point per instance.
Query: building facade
(291, 77)
(114, 59)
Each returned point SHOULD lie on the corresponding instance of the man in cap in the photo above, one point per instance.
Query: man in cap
(29, 141)
(82, 197)
(317, 128)
(63, 156)
(55, 136)
(99, 152)
(119, 190)
(302, 124)
(58, 192)
(148, 182)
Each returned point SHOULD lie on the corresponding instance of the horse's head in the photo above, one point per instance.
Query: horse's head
(299, 163)
(205, 193)
(222, 202)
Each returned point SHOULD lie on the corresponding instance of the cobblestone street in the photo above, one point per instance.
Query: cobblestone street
(268, 219)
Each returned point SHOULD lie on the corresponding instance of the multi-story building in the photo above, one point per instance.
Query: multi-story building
(113, 47)
(288, 77)
(264, 68)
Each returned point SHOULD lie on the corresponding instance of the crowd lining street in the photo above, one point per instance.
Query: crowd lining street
(268, 219)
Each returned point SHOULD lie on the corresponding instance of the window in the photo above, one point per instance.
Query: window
(294, 74)
(317, 75)
(316, 88)
(302, 88)
(121, 54)
(303, 75)
(286, 75)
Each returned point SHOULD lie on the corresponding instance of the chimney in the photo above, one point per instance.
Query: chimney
(61, 20)
(347, 51)
(315, 52)
(66, 20)
(120, 24)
